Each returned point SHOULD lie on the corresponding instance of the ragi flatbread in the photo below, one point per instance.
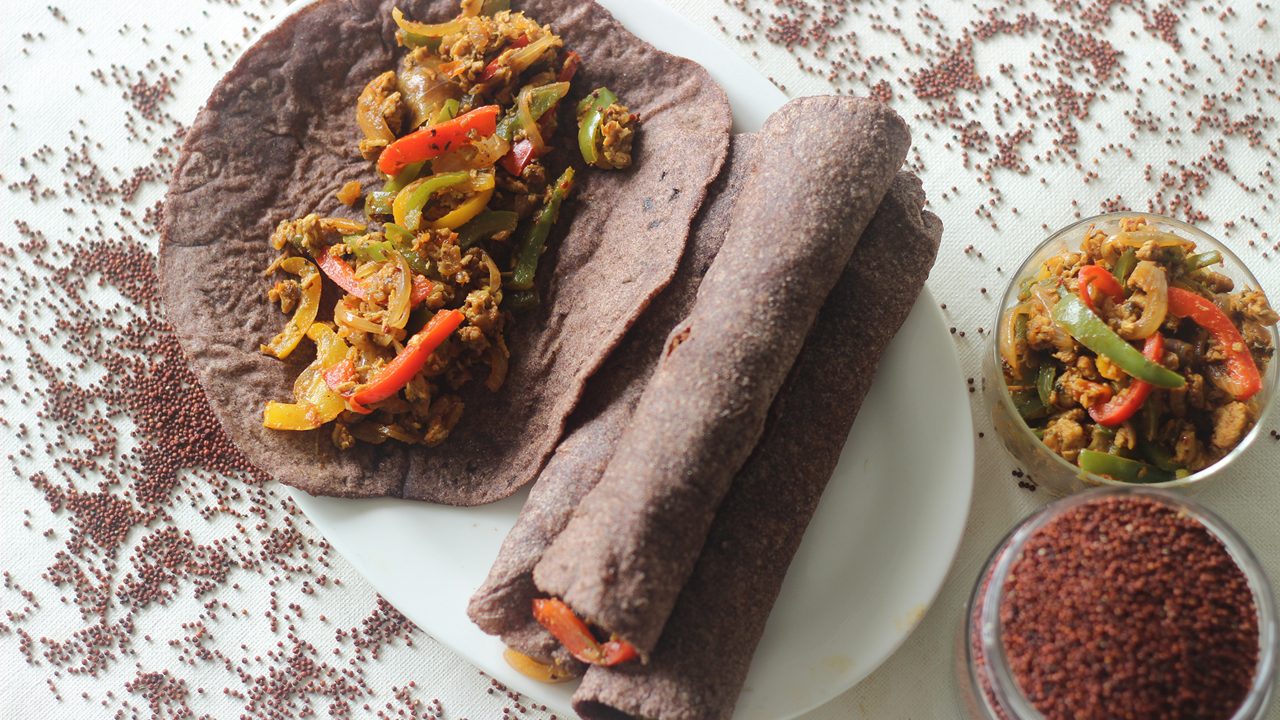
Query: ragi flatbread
(698, 668)
(824, 165)
(275, 140)
(502, 605)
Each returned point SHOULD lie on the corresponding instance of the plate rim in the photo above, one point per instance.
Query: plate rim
(752, 98)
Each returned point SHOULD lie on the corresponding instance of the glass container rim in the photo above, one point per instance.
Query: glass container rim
(1002, 683)
(1270, 378)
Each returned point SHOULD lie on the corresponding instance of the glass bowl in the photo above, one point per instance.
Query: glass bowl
(985, 682)
(1050, 470)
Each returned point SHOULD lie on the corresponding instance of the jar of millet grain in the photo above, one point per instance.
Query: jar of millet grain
(1119, 603)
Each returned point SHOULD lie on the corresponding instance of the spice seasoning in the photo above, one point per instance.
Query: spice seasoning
(1121, 604)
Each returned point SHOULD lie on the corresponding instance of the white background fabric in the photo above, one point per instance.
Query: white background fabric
(46, 66)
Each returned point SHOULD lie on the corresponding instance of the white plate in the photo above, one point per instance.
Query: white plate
(871, 562)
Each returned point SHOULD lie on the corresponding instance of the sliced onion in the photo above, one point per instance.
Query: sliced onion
(483, 153)
(497, 365)
(527, 121)
(426, 29)
(521, 59)
(1219, 376)
(495, 275)
(344, 316)
(1009, 338)
(423, 88)
(398, 303)
(1149, 278)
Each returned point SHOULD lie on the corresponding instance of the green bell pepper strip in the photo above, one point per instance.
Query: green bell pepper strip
(1028, 405)
(543, 98)
(1120, 468)
(485, 225)
(521, 300)
(590, 118)
(493, 7)
(367, 250)
(1072, 315)
(1125, 265)
(396, 183)
(1202, 260)
(1158, 456)
(535, 241)
(1044, 382)
(447, 111)
(378, 202)
(403, 241)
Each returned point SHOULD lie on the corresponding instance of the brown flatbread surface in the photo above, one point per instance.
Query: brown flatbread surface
(824, 165)
(700, 664)
(501, 606)
(277, 138)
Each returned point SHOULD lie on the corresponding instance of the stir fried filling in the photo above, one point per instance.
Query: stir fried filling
(1135, 357)
(464, 132)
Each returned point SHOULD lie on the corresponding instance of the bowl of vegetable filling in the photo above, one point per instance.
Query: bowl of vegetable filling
(1130, 349)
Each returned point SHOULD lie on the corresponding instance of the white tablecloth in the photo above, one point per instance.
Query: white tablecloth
(308, 632)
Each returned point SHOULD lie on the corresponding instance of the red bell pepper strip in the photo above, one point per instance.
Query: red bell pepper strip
(1097, 277)
(339, 375)
(560, 620)
(571, 62)
(1242, 372)
(431, 141)
(1122, 407)
(517, 159)
(340, 273)
(397, 373)
(344, 276)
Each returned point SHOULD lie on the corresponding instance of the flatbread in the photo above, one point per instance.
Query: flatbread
(698, 668)
(824, 165)
(277, 138)
(501, 606)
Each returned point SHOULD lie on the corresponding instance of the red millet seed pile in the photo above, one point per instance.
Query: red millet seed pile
(1127, 607)
(150, 535)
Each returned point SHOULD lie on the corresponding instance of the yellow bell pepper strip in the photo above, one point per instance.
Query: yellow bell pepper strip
(1115, 411)
(481, 187)
(590, 121)
(1242, 376)
(534, 670)
(397, 373)
(1071, 314)
(486, 225)
(560, 620)
(409, 202)
(309, 279)
(535, 241)
(317, 404)
(431, 141)
(1120, 468)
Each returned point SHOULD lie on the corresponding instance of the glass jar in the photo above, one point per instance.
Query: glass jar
(1050, 470)
(987, 686)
